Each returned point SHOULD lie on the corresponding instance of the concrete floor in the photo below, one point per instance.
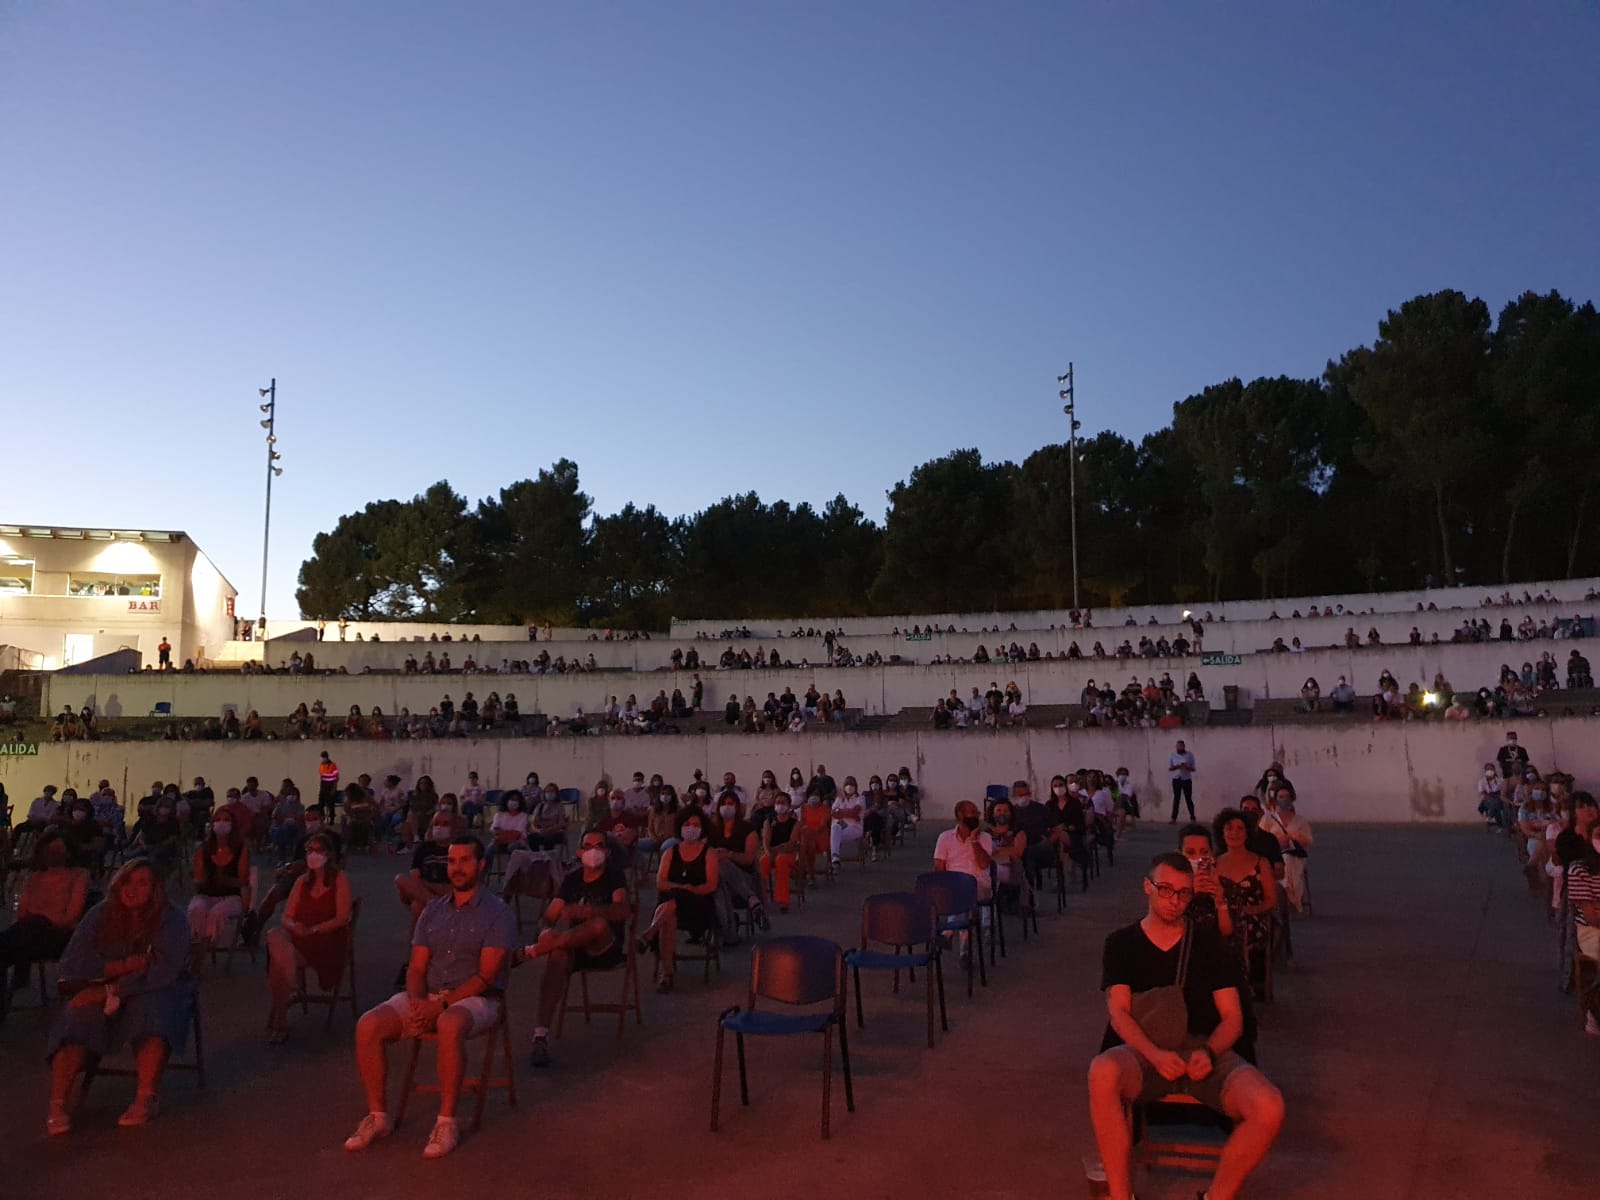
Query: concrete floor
(1421, 1045)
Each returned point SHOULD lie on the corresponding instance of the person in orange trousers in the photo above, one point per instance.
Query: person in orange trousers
(780, 840)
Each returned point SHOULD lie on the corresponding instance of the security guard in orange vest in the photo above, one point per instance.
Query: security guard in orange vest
(327, 786)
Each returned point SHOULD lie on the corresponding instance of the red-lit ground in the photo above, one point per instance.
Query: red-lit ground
(1421, 1045)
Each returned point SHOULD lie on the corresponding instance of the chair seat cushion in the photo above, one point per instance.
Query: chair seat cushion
(880, 960)
(773, 1024)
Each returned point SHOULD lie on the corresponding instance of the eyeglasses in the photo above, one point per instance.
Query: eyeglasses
(1167, 892)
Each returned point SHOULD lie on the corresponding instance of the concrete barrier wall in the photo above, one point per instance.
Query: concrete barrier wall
(1231, 637)
(1471, 597)
(1393, 773)
(886, 689)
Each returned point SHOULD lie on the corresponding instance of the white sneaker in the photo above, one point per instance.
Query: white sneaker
(373, 1127)
(444, 1138)
(1591, 1026)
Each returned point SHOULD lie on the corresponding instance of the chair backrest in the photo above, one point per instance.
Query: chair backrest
(953, 893)
(571, 796)
(897, 919)
(996, 791)
(801, 969)
(493, 795)
(163, 708)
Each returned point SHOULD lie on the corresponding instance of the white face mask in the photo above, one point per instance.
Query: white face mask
(315, 860)
(851, 790)
(222, 828)
(781, 809)
(513, 805)
(691, 833)
(727, 811)
(594, 858)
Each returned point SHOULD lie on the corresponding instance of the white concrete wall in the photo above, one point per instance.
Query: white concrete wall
(885, 689)
(396, 631)
(1394, 773)
(1234, 610)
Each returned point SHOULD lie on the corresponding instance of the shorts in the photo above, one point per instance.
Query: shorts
(483, 1010)
(1208, 1091)
(1589, 941)
(613, 955)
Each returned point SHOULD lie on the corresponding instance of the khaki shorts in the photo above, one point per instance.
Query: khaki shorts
(1589, 941)
(483, 1011)
(1208, 1091)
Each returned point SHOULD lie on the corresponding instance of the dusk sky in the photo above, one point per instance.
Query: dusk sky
(704, 248)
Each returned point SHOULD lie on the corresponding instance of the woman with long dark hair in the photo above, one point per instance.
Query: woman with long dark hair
(123, 976)
(315, 934)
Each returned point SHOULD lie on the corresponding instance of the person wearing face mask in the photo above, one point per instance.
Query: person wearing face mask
(424, 799)
(257, 918)
(429, 877)
(315, 934)
(816, 830)
(623, 823)
(1534, 816)
(767, 795)
(686, 883)
(1069, 824)
(780, 843)
(1125, 798)
(288, 816)
(1512, 758)
(1491, 802)
(158, 836)
(966, 848)
(844, 834)
(550, 821)
(637, 796)
(737, 847)
(1293, 833)
(1577, 851)
(52, 901)
(584, 930)
(221, 874)
(509, 828)
(1010, 844)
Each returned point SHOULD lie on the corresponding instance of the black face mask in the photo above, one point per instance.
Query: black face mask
(970, 822)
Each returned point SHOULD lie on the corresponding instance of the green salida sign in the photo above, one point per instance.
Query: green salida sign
(19, 749)
(1220, 660)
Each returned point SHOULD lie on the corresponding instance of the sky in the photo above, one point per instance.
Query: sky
(705, 248)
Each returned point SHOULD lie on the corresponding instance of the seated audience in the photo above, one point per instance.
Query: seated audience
(429, 877)
(584, 929)
(965, 848)
(122, 976)
(686, 884)
(48, 909)
(737, 847)
(221, 875)
(315, 934)
(454, 987)
(1249, 886)
(1184, 1042)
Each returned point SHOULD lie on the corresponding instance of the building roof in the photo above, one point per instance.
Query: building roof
(75, 534)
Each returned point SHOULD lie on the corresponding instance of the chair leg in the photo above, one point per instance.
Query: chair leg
(844, 1058)
(405, 1087)
(561, 1009)
(483, 1082)
(716, 1077)
(977, 933)
(938, 971)
(505, 1049)
(827, 1074)
(744, 1079)
(861, 1021)
(199, 1047)
(928, 979)
(583, 990)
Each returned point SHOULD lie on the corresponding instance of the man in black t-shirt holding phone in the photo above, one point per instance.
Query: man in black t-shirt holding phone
(1174, 1017)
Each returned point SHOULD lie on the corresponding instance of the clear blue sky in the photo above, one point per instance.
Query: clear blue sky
(704, 248)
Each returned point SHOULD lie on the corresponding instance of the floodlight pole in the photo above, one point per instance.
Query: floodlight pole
(1072, 469)
(271, 409)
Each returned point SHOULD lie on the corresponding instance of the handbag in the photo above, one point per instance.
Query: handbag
(1163, 1012)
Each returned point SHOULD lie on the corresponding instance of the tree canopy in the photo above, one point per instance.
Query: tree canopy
(1453, 449)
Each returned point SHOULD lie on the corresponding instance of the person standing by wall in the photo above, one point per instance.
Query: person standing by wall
(1181, 767)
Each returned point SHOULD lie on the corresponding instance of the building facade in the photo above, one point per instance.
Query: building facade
(71, 595)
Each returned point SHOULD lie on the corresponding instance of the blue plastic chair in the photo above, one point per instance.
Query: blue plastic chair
(992, 907)
(163, 708)
(903, 920)
(571, 798)
(955, 904)
(995, 791)
(796, 971)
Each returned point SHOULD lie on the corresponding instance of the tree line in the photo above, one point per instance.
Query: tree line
(1453, 449)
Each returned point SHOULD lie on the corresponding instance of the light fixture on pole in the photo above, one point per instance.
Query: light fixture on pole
(273, 469)
(1073, 425)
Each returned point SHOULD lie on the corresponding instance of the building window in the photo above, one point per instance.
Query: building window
(114, 585)
(16, 576)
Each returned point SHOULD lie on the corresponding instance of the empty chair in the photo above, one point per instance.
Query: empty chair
(955, 904)
(796, 971)
(903, 921)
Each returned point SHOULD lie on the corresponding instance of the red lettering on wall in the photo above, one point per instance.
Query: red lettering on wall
(144, 606)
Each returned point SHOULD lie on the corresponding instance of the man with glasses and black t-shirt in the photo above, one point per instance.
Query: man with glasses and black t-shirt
(1175, 1017)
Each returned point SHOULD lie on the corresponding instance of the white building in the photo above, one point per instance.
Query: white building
(69, 595)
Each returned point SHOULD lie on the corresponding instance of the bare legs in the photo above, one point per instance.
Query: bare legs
(283, 963)
(593, 935)
(382, 1025)
(664, 928)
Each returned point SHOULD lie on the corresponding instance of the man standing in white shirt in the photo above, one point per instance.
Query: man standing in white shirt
(1181, 767)
(965, 848)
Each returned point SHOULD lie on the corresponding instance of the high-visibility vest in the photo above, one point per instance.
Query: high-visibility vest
(328, 772)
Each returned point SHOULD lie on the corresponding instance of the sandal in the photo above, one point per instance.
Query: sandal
(648, 945)
(663, 985)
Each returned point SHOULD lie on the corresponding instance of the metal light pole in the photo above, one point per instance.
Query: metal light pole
(270, 425)
(1072, 469)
